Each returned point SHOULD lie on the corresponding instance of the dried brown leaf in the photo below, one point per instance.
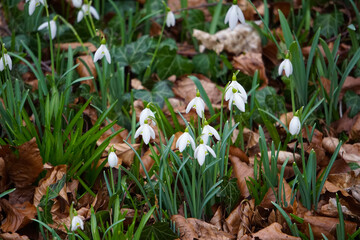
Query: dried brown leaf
(217, 219)
(17, 216)
(23, 168)
(83, 71)
(13, 236)
(65, 46)
(273, 232)
(249, 63)
(241, 171)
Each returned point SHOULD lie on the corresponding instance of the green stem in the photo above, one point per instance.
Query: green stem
(292, 95)
(51, 44)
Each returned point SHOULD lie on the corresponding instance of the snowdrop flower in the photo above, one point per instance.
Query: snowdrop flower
(198, 104)
(233, 15)
(112, 159)
(5, 60)
(238, 100)
(237, 86)
(33, 4)
(287, 66)
(170, 18)
(146, 131)
(52, 27)
(201, 151)
(294, 126)
(148, 115)
(86, 9)
(102, 51)
(77, 222)
(184, 140)
(77, 3)
(208, 131)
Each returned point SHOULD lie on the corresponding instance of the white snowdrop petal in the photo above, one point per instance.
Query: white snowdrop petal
(240, 15)
(138, 132)
(94, 13)
(294, 126)
(80, 16)
(211, 151)
(8, 60)
(32, 6)
(112, 159)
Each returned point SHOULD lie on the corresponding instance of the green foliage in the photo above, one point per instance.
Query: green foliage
(229, 194)
(329, 23)
(170, 63)
(134, 54)
(270, 101)
(158, 231)
(157, 95)
(352, 101)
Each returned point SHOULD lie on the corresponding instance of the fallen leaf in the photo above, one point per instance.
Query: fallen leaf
(327, 226)
(217, 219)
(17, 216)
(86, 68)
(241, 39)
(192, 228)
(53, 175)
(241, 171)
(13, 236)
(73, 45)
(249, 63)
(148, 161)
(273, 232)
(237, 152)
(23, 168)
(3, 175)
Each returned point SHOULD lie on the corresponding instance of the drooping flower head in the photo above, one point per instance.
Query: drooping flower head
(201, 151)
(112, 158)
(102, 51)
(209, 131)
(170, 18)
(185, 140)
(77, 222)
(198, 104)
(5, 60)
(237, 99)
(233, 15)
(287, 66)
(77, 3)
(146, 131)
(295, 126)
(45, 25)
(229, 92)
(87, 9)
(33, 4)
(148, 115)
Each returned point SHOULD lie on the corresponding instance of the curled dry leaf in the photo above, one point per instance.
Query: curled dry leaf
(237, 152)
(326, 225)
(13, 236)
(53, 175)
(283, 155)
(241, 171)
(270, 197)
(23, 168)
(21, 195)
(192, 228)
(273, 232)
(65, 46)
(147, 161)
(248, 63)
(3, 175)
(216, 220)
(330, 144)
(17, 216)
(251, 138)
(246, 215)
(242, 39)
(355, 130)
(85, 64)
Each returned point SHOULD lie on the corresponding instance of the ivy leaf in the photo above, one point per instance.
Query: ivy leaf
(352, 100)
(134, 54)
(158, 231)
(160, 91)
(169, 63)
(269, 101)
(329, 23)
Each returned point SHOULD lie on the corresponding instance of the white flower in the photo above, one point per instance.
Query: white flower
(237, 86)
(201, 151)
(170, 19)
(52, 28)
(198, 104)
(294, 126)
(146, 131)
(77, 3)
(112, 159)
(86, 9)
(209, 131)
(287, 66)
(238, 100)
(148, 115)
(101, 52)
(77, 222)
(33, 4)
(5, 60)
(233, 15)
(184, 140)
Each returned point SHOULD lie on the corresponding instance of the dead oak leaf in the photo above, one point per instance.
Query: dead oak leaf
(13, 236)
(23, 168)
(273, 232)
(17, 216)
